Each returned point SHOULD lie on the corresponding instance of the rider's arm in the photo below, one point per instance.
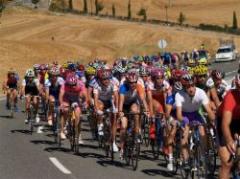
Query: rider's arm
(115, 98)
(121, 101)
(89, 94)
(214, 96)
(95, 98)
(142, 96)
(150, 101)
(210, 113)
(226, 121)
(61, 94)
(179, 100)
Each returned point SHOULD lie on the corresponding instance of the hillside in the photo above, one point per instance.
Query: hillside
(29, 37)
(202, 11)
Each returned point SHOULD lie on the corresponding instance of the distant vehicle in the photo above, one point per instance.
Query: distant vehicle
(226, 53)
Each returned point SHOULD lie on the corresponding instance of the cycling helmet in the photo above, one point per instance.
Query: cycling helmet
(143, 71)
(187, 79)
(54, 71)
(178, 86)
(30, 73)
(156, 73)
(81, 67)
(90, 70)
(191, 62)
(71, 79)
(104, 74)
(132, 76)
(72, 66)
(217, 74)
(200, 70)
(176, 74)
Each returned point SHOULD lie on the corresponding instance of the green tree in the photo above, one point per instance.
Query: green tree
(35, 2)
(235, 24)
(181, 18)
(129, 10)
(85, 6)
(70, 4)
(99, 7)
(113, 10)
(143, 12)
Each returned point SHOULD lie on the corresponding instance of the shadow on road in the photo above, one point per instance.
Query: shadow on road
(23, 131)
(154, 172)
(48, 142)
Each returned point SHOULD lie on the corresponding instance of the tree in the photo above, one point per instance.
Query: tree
(129, 10)
(181, 18)
(70, 4)
(143, 12)
(85, 7)
(113, 10)
(235, 24)
(99, 7)
(35, 2)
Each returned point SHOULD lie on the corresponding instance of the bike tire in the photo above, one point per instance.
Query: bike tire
(155, 149)
(135, 155)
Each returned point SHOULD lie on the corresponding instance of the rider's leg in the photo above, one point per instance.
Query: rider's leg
(64, 116)
(51, 108)
(225, 168)
(15, 99)
(8, 98)
(135, 109)
(123, 130)
(203, 139)
(184, 143)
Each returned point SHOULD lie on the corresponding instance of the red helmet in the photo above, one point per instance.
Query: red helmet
(81, 67)
(71, 79)
(176, 74)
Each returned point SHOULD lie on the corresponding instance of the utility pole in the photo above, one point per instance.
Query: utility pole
(166, 8)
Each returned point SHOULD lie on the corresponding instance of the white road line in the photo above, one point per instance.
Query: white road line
(228, 73)
(59, 165)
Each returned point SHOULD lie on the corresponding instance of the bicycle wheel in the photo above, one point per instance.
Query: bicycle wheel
(31, 120)
(155, 148)
(211, 162)
(146, 132)
(199, 160)
(135, 155)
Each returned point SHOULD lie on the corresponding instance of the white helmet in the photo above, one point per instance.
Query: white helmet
(30, 73)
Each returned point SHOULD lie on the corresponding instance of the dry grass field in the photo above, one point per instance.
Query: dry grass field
(28, 37)
(196, 11)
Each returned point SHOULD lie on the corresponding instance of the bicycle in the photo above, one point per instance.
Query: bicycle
(56, 124)
(131, 149)
(72, 129)
(105, 140)
(197, 160)
(31, 116)
(146, 129)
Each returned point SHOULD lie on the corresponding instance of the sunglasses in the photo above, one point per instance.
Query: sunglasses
(135, 82)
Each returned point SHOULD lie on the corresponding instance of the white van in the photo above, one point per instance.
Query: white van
(226, 53)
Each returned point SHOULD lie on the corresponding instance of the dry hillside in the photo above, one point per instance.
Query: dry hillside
(28, 37)
(196, 11)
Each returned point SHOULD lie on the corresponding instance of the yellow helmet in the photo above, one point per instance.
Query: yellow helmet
(90, 70)
(201, 70)
(191, 62)
(65, 65)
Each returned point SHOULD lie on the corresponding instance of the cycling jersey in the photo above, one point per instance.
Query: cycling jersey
(191, 104)
(105, 93)
(131, 96)
(31, 87)
(222, 89)
(231, 102)
(73, 93)
(54, 87)
(12, 81)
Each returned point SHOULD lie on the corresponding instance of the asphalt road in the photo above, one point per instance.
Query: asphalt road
(25, 156)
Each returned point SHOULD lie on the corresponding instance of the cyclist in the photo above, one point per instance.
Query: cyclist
(105, 95)
(228, 125)
(203, 82)
(10, 85)
(53, 86)
(220, 84)
(188, 102)
(71, 93)
(31, 89)
(131, 94)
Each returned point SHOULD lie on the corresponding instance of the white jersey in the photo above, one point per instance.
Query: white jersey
(60, 81)
(105, 93)
(191, 104)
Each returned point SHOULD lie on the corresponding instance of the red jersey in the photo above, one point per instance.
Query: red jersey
(231, 102)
